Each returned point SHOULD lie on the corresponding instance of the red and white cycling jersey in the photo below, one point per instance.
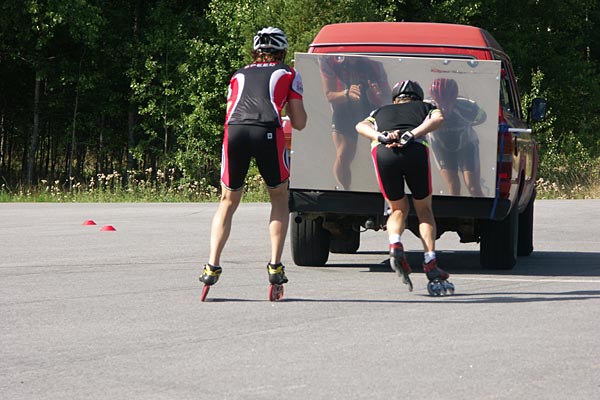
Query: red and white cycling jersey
(253, 126)
(258, 92)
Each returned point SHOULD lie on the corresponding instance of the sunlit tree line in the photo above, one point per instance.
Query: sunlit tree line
(90, 87)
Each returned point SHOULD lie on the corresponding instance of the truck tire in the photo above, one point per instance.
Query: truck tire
(525, 246)
(499, 241)
(310, 241)
(347, 243)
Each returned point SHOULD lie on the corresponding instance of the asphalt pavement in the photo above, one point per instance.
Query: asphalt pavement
(87, 313)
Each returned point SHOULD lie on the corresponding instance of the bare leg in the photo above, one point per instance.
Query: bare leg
(396, 222)
(345, 152)
(427, 226)
(452, 181)
(279, 220)
(221, 223)
(473, 182)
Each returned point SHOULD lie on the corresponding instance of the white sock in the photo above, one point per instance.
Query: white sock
(429, 256)
(394, 238)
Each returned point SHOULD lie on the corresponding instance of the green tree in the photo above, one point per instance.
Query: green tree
(90, 87)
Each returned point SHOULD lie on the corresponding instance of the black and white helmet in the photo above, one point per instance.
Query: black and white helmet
(407, 89)
(270, 40)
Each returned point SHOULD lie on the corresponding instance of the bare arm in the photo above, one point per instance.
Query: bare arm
(336, 96)
(295, 110)
(430, 124)
(367, 129)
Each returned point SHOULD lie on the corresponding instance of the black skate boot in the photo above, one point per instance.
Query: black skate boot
(400, 265)
(438, 279)
(210, 276)
(277, 278)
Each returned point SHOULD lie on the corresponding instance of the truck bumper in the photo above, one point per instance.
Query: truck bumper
(372, 204)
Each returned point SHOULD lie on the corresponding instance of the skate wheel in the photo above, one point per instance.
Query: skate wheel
(434, 288)
(275, 292)
(449, 287)
(205, 290)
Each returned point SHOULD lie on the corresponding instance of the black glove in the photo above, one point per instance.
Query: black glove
(384, 139)
(406, 138)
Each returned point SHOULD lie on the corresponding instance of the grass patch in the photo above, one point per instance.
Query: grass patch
(564, 177)
(562, 191)
(560, 179)
(114, 188)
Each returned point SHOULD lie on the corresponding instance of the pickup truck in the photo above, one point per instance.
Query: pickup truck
(492, 205)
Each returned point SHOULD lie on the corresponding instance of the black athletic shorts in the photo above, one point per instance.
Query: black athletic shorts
(395, 165)
(464, 159)
(266, 145)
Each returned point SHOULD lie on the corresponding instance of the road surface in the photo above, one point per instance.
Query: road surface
(92, 314)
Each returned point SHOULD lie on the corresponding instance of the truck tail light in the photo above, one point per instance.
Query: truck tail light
(504, 177)
(506, 148)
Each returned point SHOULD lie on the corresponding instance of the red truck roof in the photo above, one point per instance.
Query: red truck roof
(375, 36)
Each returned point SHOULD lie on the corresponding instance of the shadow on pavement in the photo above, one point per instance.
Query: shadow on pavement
(542, 263)
(474, 298)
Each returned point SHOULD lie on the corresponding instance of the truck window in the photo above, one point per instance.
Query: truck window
(505, 98)
(508, 95)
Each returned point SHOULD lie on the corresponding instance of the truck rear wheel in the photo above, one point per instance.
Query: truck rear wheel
(525, 246)
(310, 241)
(499, 241)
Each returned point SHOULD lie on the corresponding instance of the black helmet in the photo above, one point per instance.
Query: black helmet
(407, 89)
(270, 40)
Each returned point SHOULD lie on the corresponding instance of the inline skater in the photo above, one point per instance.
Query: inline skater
(253, 128)
(400, 153)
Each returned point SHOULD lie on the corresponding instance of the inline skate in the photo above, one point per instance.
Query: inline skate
(277, 278)
(210, 276)
(400, 265)
(438, 280)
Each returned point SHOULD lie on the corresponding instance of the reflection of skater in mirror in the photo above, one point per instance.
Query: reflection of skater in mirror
(455, 145)
(354, 86)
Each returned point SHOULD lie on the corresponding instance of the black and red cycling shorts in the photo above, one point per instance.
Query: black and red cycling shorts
(265, 144)
(394, 166)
